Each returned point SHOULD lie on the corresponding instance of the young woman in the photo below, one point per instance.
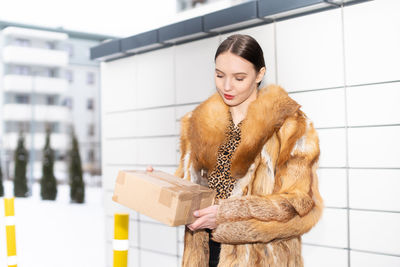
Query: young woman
(259, 152)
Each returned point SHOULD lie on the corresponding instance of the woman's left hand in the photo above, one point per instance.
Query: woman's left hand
(206, 218)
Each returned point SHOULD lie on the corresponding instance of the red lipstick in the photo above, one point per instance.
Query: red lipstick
(229, 97)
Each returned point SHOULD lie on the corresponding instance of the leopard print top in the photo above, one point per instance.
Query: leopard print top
(220, 178)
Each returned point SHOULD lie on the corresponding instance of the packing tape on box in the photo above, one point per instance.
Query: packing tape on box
(194, 194)
(165, 197)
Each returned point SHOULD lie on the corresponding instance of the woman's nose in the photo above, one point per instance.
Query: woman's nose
(227, 84)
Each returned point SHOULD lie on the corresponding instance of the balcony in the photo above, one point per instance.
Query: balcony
(34, 34)
(23, 84)
(22, 112)
(34, 56)
(58, 141)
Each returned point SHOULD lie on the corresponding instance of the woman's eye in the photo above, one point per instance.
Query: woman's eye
(238, 79)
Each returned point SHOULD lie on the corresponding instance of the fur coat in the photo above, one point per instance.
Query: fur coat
(275, 199)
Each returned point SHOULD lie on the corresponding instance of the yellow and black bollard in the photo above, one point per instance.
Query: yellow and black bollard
(121, 242)
(10, 232)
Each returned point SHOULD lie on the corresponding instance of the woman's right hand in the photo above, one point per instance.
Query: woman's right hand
(149, 168)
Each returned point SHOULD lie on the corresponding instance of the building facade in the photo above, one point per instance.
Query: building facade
(48, 81)
(340, 64)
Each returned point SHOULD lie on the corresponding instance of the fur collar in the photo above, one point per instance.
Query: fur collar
(210, 120)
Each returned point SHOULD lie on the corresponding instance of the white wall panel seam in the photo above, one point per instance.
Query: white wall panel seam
(324, 246)
(140, 137)
(374, 83)
(374, 252)
(150, 108)
(351, 249)
(346, 135)
(275, 53)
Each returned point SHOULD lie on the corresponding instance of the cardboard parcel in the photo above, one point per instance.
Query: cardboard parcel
(161, 196)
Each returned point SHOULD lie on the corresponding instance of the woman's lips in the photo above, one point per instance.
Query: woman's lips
(229, 97)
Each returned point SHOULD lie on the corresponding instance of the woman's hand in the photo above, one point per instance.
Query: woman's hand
(206, 218)
(149, 168)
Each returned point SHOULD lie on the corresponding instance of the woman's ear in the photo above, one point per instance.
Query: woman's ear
(260, 74)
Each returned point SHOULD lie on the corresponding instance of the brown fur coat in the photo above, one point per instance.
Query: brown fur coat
(276, 197)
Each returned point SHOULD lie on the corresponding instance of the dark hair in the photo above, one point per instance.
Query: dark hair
(243, 46)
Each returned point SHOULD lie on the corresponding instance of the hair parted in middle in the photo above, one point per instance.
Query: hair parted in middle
(243, 46)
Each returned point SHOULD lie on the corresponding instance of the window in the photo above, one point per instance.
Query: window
(50, 100)
(70, 50)
(90, 104)
(90, 130)
(90, 155)
(54, 127)
(22, 99)
(61, 157)
(23, 126)
(16, 126)
(21, 70)
(70, 76)
(189, 4)
(22, 42)
(51, 45)
(67, 102)
(51, 73)
(90, 78)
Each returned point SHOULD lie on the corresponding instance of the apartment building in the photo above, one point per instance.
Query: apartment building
(48, 80)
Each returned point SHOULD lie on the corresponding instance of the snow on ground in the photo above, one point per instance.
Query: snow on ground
(57, 233)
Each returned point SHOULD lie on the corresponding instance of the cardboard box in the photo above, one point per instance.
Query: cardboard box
(161, 196)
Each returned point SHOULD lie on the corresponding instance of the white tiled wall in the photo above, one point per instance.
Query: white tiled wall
(332, 186)
(310, 52)
(376, 104)
(333, 147)
(119, 85)
(194, 70)
(327, 257)
(341, 65)
(366, 192)
(361, 259)
(372, 42)
(375, 231)
(331, 229)
(155, 78)
(374, 147)
(325, 108)
(153, 122)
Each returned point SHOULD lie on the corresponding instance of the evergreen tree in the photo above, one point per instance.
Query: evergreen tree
(48, 183)
(77, 185)
(20, 161)
(1, 182)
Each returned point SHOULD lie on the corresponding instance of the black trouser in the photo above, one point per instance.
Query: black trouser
(215, 249)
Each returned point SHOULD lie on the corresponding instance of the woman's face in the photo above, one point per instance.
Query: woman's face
(235, 78)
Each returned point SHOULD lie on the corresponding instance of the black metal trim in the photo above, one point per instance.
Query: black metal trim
(141, 41)
(272, 7)
(181, 29)
(106, 50)
(245, 15)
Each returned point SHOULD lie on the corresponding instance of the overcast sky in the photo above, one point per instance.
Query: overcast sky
(118, 18)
